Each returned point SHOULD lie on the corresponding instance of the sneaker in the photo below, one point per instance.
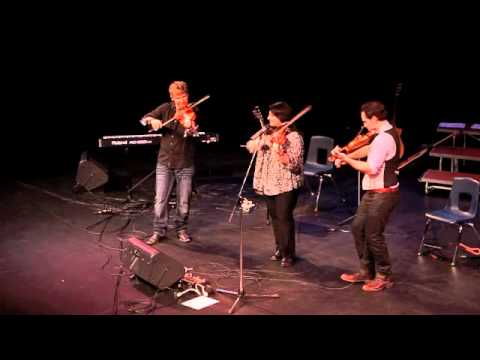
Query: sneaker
(287, 262)
(156, 237)
(378, 284)
(356, 278)
(183, 236)
(276, 256)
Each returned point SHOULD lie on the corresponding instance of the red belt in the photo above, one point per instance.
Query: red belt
(385, 190)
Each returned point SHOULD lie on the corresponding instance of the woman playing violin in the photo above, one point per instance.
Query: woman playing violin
(381, 196)
(278, 176)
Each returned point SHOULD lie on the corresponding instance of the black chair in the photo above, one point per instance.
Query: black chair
(321, 170)
(453, 215)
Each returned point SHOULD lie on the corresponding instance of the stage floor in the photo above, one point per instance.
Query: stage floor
(53, 260)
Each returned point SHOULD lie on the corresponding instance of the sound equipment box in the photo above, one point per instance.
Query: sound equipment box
(151, 265)
(90, 174)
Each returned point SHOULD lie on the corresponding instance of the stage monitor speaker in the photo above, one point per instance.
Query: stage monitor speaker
(90, 174)
(151, 265)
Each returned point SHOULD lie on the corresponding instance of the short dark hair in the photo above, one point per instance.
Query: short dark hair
(281, 110)
(375, 108)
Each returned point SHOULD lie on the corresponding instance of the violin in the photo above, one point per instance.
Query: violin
(358, 142)
(278, 134)
(186, 117)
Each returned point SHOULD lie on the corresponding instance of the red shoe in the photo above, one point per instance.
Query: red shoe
(356, 278)
(184, 236)
(287, 262)
(378, 284)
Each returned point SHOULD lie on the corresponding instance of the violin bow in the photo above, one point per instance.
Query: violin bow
(296, 117)
(288, 123)
(192, 105)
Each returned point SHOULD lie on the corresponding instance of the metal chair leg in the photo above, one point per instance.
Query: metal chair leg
(320, 181)
(427, 225)
(460, 230)
(308, 185)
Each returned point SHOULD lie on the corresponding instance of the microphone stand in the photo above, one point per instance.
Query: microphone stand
(241, 294)
(239, 196)
(140, 182)
(260, 132)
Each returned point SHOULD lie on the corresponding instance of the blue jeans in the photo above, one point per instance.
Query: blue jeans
(165, 178)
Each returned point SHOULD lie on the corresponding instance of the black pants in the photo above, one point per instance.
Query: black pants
(367, 228)
(280, 208)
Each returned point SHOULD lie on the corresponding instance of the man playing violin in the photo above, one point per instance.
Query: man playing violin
(175, 161)
(381, 196)
(278, 176)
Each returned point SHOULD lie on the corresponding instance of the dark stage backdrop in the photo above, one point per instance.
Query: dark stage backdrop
(74, 79)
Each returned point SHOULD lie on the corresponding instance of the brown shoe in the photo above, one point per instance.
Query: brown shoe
(156, 237)
(356, 278)
(378, 284)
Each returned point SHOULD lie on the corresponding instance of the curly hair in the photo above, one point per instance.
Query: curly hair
(178, 87)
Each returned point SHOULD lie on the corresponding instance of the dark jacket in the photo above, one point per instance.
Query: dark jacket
(176, 151)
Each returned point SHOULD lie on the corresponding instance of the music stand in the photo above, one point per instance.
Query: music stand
(245, 206)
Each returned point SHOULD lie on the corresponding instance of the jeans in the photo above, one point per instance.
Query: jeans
(165, 178)
(367, 229)
(280, 208)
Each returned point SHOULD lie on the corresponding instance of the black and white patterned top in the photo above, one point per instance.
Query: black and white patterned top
(272, 177)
